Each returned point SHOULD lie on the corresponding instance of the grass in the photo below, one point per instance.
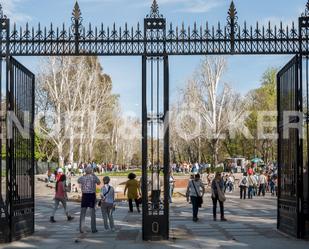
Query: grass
(122, 173)
(137, 172)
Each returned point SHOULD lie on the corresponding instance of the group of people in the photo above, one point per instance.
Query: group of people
(188, 168)
(257, 184)
(251, 184)
(79, 169)
(196, 190)
(89, 182)
(102, 168)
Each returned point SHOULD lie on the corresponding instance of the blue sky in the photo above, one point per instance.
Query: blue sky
(243, 72)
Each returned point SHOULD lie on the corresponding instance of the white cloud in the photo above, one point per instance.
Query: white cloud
(10, 9)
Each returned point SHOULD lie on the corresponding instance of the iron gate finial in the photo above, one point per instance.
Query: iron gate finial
(76, 11)
(76, 18)
(154, 10)
(77, 25)
(232, 12)
(306, 13)
(2, 16)
(232, 25)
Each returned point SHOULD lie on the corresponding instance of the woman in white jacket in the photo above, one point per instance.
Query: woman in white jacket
(243, 185)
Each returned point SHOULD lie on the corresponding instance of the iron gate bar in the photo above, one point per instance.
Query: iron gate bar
(231, 38)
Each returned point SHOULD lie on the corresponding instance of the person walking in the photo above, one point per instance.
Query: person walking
(107, 204)
(195, 194)
(217, 195)
(88, 184)
(262, 184)
(61, 196)
(133, 190)
(251, 185)
(243, 185)
(172, 186)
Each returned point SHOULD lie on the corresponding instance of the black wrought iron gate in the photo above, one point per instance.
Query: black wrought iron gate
(290, 150)
(154, 45)
(17, 175)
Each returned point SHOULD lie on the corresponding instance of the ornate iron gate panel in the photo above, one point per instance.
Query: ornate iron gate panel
(227, 38)
(290, 200)
(20, 150)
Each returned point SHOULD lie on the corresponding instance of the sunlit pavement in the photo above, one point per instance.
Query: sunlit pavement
(251, 224)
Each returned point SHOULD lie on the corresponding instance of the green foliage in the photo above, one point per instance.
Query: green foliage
(136, 159)
(218, 170)
(37, 153)
(262, 99)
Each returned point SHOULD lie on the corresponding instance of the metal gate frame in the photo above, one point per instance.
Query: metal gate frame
(20, 150)
(157, 41)
(18, 207)
(290, 150)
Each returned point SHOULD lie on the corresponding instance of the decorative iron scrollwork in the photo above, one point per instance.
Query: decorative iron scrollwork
(154, 11)
(232, 19)
(231, 38)
(77, 19)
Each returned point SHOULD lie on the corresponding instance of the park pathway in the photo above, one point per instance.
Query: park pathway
(251, 224)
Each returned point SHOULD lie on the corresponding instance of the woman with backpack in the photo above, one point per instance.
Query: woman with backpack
(195, 191)
(217, 195)
(61, 196)
(107, 204)
(243, 185)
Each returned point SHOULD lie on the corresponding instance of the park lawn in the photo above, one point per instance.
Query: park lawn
(137, 172)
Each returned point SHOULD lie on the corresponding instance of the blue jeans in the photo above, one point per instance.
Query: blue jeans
(171, 193)
(215, 200)
(250, 192)
(194, 206)
(262, 189)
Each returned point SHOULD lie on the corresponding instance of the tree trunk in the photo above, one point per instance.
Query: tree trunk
(215, 149)
(60, 155)
(71, 145)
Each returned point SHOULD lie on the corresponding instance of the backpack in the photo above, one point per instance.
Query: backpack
(244, 181)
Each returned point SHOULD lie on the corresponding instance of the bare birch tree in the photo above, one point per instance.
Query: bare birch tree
(80, 103)
(218, 106)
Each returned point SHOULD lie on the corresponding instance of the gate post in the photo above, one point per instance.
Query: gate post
(155, 128)
(303, 181)
(5, 234)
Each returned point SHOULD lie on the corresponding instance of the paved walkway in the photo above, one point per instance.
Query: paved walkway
(251, 224)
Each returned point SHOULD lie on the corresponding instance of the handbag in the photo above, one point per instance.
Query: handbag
(139, 201)
(101, 201)
(221, 195)
(199, 198)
